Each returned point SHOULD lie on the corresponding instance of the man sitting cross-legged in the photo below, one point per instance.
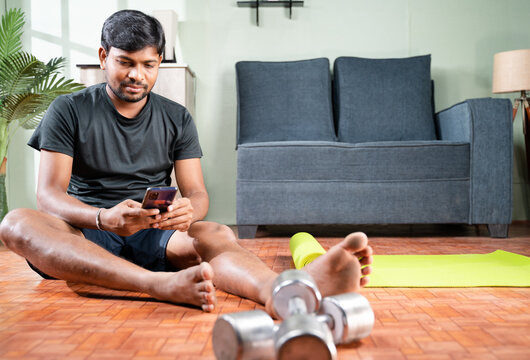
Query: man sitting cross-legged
(100, 149)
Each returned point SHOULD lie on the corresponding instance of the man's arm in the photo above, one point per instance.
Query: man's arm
(54, 176)
(193, 205)
(190, 181)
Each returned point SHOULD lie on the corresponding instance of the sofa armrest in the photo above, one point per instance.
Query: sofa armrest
(486, 124)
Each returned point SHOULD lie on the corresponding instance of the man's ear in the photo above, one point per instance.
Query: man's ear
(102, 58)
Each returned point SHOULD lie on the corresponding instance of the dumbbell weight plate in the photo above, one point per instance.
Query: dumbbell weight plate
(303, 337)
(294, 283)
(353, 318)
(244, 335)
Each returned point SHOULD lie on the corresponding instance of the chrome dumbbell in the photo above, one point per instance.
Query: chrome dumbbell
(244, 335)
(349, 316)
(253, 334)
(301, 335)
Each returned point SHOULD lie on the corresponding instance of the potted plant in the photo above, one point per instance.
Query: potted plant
(27, 87)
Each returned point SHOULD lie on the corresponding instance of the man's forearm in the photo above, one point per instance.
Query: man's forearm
(200, 203)
(67, 208)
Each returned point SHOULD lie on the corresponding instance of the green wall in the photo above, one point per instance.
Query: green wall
(461, 35)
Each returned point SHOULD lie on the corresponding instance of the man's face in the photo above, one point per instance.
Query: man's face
(130, 75)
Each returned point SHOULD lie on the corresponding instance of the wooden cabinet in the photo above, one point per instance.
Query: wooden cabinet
(176, 82)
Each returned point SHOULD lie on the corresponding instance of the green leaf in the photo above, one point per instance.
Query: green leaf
(55, 86)
(23, 107)
(11, 32)
(53, 66)
(18, 73)
(27, 85)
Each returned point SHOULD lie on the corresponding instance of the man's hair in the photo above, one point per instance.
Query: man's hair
(132, 30)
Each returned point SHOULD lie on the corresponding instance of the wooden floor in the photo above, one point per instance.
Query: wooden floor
(45, 319)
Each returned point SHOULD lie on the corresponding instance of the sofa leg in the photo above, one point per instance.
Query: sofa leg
(498, 230)
(247, 231)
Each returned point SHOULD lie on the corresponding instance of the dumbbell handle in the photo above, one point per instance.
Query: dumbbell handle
(348, 316)
(294, 291)
(297, 305)
(327, 319)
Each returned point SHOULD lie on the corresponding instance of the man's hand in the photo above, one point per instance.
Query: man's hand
(179, 216)
(128, 217)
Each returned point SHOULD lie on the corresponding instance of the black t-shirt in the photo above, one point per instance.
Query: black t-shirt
(114, 157)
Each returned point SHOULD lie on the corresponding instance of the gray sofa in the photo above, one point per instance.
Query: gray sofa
(367, 147)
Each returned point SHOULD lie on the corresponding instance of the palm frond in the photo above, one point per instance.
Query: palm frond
(32, 123)
(11, 32)
(18, 73)
(23, 107)
(53, 66)
(50, 89)
(57, 85)
(27, 109)
(27, 85)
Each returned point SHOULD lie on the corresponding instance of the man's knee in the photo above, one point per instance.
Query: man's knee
(209, 234)
(13, 225)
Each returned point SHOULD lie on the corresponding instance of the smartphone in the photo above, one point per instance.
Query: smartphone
(159, 198)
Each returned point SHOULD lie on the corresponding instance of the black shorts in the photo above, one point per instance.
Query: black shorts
(146, 248)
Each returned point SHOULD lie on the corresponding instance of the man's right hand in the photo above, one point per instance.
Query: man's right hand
(127, 218)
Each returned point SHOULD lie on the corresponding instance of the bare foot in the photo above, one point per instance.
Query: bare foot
(190, 286)
(339, 270)
(344, 268)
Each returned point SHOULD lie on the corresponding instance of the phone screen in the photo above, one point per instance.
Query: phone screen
(159, 198)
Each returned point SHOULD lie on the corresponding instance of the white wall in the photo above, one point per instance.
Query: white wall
(461, 35)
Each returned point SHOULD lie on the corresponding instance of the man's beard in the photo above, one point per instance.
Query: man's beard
(122, 96)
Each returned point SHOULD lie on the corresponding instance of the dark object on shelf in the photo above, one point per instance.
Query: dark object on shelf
(173, 59)
(257, 3)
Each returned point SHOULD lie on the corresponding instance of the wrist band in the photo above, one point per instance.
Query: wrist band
(98, 223)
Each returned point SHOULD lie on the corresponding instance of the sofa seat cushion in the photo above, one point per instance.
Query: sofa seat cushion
(383, 99)
(289, 100)
(341, 202)
(361, 162)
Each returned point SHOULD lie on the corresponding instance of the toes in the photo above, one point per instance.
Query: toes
(364, 281)
(355, 242)
(366, 260)
(210, 299)
(206, 290)
(203, 272)
(367, 270)
(207, 307)
(206, 286)
(366, 252)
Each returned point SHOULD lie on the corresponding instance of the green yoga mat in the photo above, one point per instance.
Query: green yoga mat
(499, 268)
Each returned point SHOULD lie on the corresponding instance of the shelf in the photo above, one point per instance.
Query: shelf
(267, 3)
(270, 3)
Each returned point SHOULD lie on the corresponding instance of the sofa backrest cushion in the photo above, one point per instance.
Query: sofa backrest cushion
(288, 100)
(383, 99)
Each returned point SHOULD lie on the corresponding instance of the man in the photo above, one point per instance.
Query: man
(100, 149)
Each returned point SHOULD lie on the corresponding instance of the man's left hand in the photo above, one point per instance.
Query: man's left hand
(179, 216)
